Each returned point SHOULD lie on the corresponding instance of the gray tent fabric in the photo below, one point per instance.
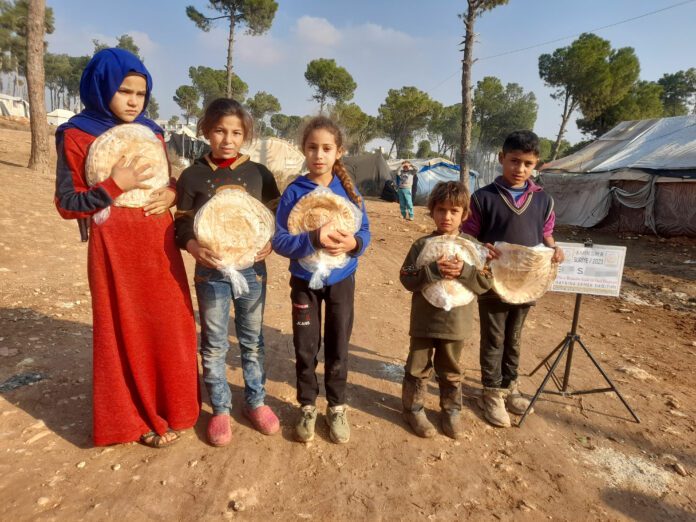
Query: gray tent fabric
(639, 177)
(369, 171)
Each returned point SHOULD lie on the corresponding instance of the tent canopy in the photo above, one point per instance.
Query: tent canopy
(369, 171)
(642, 174)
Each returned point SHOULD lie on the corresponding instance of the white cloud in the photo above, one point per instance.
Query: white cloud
(261, 50)
(384, 36)
(317, 31)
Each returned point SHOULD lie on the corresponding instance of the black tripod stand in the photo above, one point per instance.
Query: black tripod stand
(567, 345)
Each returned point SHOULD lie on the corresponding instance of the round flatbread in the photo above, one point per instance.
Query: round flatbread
(522, 274)
(234, 225)
(316, 209)
(140, 146)
(449, 293)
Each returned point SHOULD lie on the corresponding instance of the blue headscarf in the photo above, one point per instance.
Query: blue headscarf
(100, 80)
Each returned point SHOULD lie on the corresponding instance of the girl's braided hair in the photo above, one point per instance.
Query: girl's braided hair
(339, 169)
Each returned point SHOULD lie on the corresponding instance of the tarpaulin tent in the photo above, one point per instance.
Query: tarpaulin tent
(369, 171)
(59, 116)
(185, 144)
(429, 173)
(639, 177)
(281, 157)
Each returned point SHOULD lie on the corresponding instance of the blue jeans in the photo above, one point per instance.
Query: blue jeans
(214, 292)
(405, 202)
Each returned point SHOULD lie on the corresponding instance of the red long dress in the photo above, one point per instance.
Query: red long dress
(144, 349)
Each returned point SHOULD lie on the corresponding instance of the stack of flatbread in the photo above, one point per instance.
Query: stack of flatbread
(522, 274)
(314, 210)
(140, 146)
(449, 293)
(235, 226)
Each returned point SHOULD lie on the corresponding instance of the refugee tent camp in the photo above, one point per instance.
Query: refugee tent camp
(369, 171)
(429, 173)
(59, 116)
(13, 106)
(640, 177)
(184, 143)
(281, 157)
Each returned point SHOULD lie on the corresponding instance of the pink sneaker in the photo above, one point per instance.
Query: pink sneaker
(263, 419)
(219, 431)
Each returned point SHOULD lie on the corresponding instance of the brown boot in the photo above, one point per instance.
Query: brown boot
(413, 397)
(515, 402)
(493, 400)
(451, 404)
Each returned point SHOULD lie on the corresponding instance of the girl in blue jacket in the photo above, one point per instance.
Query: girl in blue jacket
(322, 144)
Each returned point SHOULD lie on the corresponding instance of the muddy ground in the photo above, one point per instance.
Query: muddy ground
(575, 458)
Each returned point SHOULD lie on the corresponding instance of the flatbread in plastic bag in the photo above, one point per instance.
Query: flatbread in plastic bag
(449, 293)
(234, 225)
(140, 146)
(522, 274)
(314, 210)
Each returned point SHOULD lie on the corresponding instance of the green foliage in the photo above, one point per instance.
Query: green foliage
(642, 102)
(572, 149)
(125, 42)
(500, 110)
(257, 15)
(286, 127)
(329, 81)
(404, 112)
(13, 34)
(445, 128)
(173, 121)
(360, 128)
(212, 83)
(546, 148)
(588, 75)
(678, 89)
(186, 97)
(261, 105)
(153, 108)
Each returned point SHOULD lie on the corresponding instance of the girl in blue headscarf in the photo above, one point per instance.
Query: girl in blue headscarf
(145, 373)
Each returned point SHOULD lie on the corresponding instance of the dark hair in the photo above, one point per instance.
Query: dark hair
(522, 140)
(453, 192)
(339, 169)
(221, 107)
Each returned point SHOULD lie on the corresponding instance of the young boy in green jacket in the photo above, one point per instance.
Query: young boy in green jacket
(438, 336)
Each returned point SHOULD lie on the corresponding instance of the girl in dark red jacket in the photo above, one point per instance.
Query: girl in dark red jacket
(145, 375)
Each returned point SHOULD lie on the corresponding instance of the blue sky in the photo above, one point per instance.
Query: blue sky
(384, 44)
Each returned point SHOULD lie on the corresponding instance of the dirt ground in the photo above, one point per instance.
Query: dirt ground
(575, 458)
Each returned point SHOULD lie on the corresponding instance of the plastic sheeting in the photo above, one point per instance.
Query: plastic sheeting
(281, 157)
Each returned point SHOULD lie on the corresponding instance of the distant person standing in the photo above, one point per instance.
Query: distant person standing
(404, 186)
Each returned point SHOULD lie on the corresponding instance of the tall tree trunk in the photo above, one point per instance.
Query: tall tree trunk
(36, 82)
(568, 108)
(467, 108)
(230, 44)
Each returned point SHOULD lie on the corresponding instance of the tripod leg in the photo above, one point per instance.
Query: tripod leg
(563, 347)
(542, 363)
(606, 377)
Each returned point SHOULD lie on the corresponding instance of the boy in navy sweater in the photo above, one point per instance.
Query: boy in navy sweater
(515, 210)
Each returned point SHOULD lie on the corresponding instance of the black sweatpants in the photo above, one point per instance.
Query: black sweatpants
(306, 335)
(501, 335)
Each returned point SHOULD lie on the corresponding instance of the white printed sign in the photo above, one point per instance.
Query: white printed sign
(595, 270)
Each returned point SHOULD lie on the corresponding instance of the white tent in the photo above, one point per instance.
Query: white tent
(13, 106)
(638, 177)
(281, 157)
(59, 116)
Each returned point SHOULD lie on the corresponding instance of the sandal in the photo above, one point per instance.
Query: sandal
(152, 440)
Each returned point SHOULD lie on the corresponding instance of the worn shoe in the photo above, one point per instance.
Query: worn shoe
(337, 419)
(219, 432)
(304, 429)
(419, 423)
(263, 419)
(515, 402)
(493, 403)
(451, 421)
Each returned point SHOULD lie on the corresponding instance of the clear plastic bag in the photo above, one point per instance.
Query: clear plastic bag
(314, 210)
(522, 274)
